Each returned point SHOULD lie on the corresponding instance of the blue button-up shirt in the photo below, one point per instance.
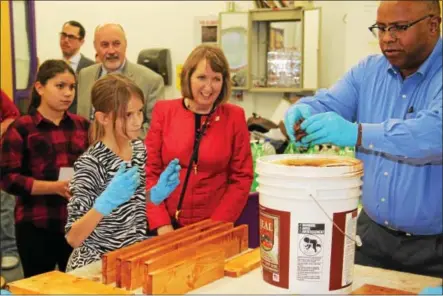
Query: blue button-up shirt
(401, 138)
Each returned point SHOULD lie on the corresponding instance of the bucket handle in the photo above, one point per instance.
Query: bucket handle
(313, 194)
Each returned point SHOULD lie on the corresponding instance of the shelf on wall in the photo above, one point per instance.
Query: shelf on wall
(281, 14)
(240, 88)
(281, 90)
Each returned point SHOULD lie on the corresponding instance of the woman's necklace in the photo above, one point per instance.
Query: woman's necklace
(190, 106)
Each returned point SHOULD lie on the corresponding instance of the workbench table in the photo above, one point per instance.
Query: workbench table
(252, 282)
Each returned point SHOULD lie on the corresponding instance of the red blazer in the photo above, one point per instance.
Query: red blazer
(221, 186)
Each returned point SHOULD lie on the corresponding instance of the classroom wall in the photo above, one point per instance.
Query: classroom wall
(171, 24)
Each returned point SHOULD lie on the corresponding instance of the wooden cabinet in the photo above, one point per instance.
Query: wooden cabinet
(284, 50)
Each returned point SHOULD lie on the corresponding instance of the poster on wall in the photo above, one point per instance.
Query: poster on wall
(206, 30)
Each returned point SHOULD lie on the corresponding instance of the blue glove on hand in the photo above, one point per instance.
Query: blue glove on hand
(5, 292)
(294, 114)
(432, 291)
(119, 190)
(168, 181)
(329, 127)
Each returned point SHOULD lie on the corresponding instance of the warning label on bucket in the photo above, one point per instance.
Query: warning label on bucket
(274, 243)
(342, 250)
(310, 251)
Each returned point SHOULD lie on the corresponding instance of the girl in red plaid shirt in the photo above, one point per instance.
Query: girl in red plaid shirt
(35, 147)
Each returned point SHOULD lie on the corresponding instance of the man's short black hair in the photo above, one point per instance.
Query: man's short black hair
(81, 31)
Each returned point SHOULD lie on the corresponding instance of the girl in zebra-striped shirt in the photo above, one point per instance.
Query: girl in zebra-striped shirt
(108, 207)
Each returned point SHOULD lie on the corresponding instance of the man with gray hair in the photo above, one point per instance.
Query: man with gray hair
(110, 44)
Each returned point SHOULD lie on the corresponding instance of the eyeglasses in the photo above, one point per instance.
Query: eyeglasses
(70, 37)
(395, 29)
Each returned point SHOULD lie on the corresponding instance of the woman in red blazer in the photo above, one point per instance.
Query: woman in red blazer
(210, 137)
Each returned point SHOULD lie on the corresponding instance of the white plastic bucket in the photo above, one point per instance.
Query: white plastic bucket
(302, 250)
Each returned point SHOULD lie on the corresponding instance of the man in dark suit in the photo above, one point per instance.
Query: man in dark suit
(72, 38)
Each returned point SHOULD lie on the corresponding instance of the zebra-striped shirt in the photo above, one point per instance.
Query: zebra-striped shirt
(126, 224)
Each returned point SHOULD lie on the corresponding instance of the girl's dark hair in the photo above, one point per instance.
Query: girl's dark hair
(48, 70)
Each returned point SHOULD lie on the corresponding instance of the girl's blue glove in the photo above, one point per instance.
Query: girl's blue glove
(5, 292)
(432, 291)
(119, 190)
(168, 181)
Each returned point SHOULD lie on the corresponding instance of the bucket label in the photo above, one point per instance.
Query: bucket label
(274, 246)
(310, 251)
(342, 250)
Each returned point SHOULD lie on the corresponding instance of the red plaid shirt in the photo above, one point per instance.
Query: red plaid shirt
(35, 149)
(8, 109)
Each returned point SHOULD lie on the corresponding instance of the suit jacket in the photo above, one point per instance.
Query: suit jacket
(147, 80)
(83, 63)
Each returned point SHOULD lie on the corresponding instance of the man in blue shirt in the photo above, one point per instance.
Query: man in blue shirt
(390, 107)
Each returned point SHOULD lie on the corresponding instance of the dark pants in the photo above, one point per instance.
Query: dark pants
(388, 249)
(41, 250)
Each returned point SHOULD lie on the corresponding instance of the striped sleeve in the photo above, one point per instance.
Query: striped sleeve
(86, 185)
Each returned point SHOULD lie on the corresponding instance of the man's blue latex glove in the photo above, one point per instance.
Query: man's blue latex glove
(5, 292)
(294, 114)
(329, 127)
(168, 181)
(432, 291)
(119, 190)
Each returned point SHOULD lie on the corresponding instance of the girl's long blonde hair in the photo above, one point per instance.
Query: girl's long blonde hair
(111, 94)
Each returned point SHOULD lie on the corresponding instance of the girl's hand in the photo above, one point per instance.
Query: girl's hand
(62, 188)
(122, 186)
(164, 229)
(168, 181)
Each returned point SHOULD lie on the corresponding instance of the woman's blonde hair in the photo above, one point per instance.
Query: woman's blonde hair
(111, 94)
(219, 64)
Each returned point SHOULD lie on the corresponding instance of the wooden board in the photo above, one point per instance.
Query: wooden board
(233, 242)
(131, 272)
(121, 278)
(109, 260)
(243, 263)
(188, 275)
(56, 282)
(368, 289)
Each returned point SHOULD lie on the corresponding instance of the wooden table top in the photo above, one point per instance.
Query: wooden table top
(252, 282)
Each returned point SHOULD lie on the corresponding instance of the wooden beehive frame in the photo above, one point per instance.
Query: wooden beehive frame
(232, 242)
(188, 274)
(202, 246)
(109, 260)
(132, 268)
